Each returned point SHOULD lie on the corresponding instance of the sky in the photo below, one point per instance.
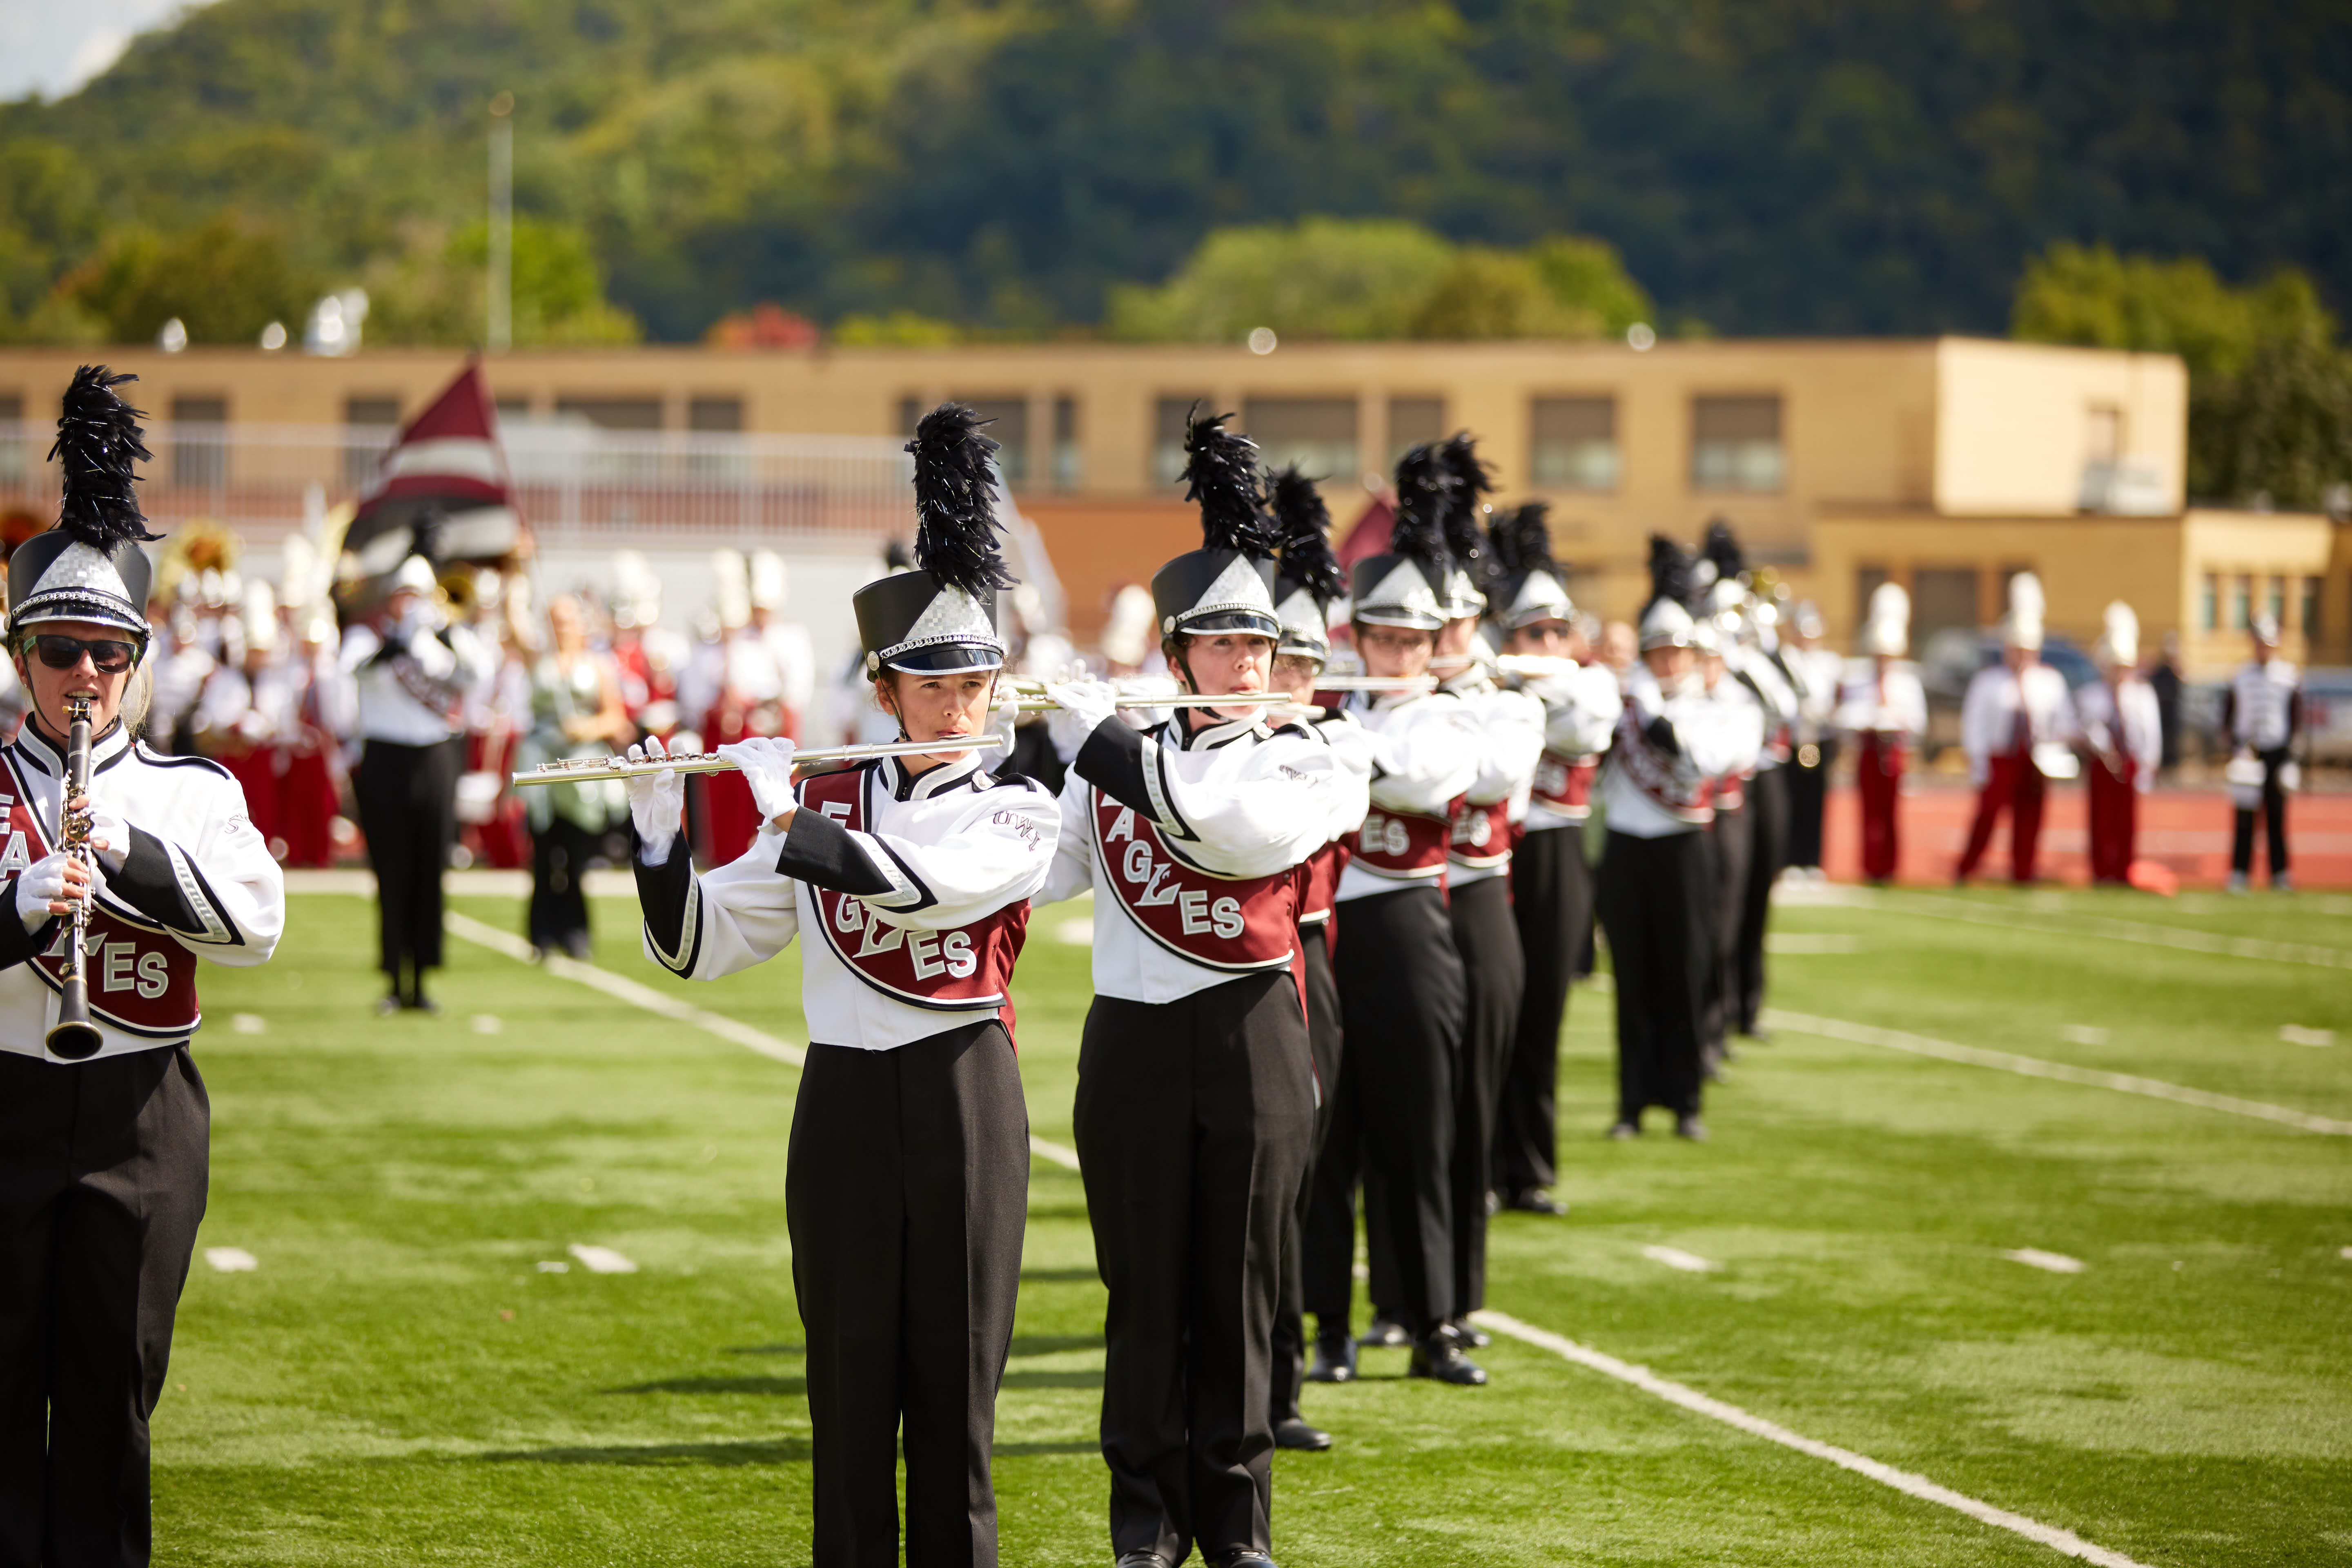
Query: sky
(52, 49)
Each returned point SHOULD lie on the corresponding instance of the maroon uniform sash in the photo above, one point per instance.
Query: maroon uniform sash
(1480, 834)
(1238, 924)
(1404, 844)
(962, 969)
(1318, 882)
(142, 981)
(1565, 783)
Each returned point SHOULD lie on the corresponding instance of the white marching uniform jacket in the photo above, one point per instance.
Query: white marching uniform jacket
(1892, 704)
(411, 696)
(1511, 726)
(1429, 750)
(1649, 789)
(1990, 714)
(910, 894)
(1776, 697)
(1580, 713)
(198, 882)
(2263, 703)
(1192, 842)
(2123, 720)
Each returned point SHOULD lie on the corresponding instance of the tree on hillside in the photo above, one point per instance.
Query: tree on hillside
(224, 281)
(438, 293)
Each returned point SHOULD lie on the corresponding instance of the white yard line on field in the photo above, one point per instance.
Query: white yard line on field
(2048, 1262)
(1691, 1399)
(2186, 939)
(2062, 1072)
(637, 995)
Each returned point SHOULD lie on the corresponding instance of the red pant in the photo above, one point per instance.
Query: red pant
(256, 774)
(2115, 820)
(2017, 786)
(1878, 779)
(307, 803)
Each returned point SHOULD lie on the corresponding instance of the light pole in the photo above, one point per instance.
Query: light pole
(501, 336)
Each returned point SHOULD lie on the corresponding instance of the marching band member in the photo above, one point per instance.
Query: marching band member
(2123, 738)
(1886, 712)
(1402, 991)
(1672, 742)
(1821, 678)
(1731, 834)
(907, 1181)
(1309, 583)
(1478, 880)
(244, 719)
(2016, 724)
(1196, 1086)
(1552, 884)
(2261, 713)
(1751, 654)
(412, 671)
(104, 1155)
(575, 711)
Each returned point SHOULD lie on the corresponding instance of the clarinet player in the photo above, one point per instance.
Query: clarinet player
(103, 1150)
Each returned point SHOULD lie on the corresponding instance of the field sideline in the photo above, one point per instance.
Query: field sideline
(419, 1368)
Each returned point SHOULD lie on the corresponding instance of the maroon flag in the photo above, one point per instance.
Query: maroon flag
(443, 490)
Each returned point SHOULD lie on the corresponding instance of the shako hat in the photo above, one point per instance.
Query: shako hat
(1720, 573)
(940, 617)
(1310, 582)
(2022, 628)
(1888, 631)
(1464, 591)
(1666, 621)
(90, 566)
(1228, 584)
(1405, 585)
(1527, 586)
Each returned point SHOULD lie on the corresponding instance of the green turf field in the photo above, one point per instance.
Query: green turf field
(403, 1378)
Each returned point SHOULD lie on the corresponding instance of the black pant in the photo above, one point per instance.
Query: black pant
(1498, 979)
(1403, 1002)
(408, 808)
(1324, 1037)
(1767, 845)
(905, 1190)
(102, 1176)
(1193, 1118)
(1809, 793)
(558, 904)
(1654, 895)
(1729, 841)
(1551, 900)
(2273, 812)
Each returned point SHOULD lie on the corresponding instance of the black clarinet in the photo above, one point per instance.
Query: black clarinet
(75, 1038)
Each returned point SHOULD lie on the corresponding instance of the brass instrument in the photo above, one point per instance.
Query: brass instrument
(74, 1037)
(574, 770)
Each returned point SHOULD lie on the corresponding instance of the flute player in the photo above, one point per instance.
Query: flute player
(104, 1159)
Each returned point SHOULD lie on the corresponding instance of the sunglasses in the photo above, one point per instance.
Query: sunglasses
(108, 656)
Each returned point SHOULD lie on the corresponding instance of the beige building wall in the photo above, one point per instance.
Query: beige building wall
(2017, 423)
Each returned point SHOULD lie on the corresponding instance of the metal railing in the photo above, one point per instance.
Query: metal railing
(575, 483)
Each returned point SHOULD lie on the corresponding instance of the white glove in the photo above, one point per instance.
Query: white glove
(655, 801)
(1085, 704)
(41, 884)
(767, 763)
(110, 836)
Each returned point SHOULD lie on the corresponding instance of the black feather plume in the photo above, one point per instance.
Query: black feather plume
(1220, 473)
(1425, 490)
(1471, 480)
(955, 501)
(1521, 539)
(1722, 547)
(1306, 524)
(98, 445)
(1670, 572)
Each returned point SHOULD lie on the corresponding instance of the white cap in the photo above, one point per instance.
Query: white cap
(1888, 632)
(1127, 636)
(416, 575)
(2119, 642)
(731, 588)
(767, 580)
(1666, 624)
(2022, 628)
(260, 617)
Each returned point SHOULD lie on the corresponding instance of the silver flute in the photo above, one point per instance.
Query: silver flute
(576, 769)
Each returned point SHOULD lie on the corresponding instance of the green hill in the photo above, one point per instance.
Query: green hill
(1763, 166)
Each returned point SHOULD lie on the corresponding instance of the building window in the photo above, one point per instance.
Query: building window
(1572, 443)
(615, 413)
(370, 424)
(2241, 599)
(1069, 457)
(1735, 444)
(715, 415)
(1006, 423)
(1413, 422)
(2209, 604)
(1943, 598)
(12, 445)
(2103, 436)
(2277, 605)
(513, 408)
(1168, 425)
(910, 414)
(200, 458)
(1318, 434)
(2311, 625)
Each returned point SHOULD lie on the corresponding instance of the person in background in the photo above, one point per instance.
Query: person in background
(324, 712)
(1821, 673)
(576, 712)
(2165, 682)
(243, 718)
(2016, 725)
(1620, 649)
(414, 672)
(2123, 741)
(2261, 713)
(1886, 712)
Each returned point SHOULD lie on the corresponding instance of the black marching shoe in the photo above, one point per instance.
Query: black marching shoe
(1141, 1560)
(1534, 1200)
(1623, 1129)
(386, 1006)
(1471, 1334)
(1384, 1333)
(1440, 1359)
(1335, 1359)
(1245, 1560)
(1295, 1433)
(1692, 1128)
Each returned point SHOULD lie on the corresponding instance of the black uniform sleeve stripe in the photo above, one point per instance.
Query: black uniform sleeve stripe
(1112, 761)
(150, 883)
(666, 892)
(16, 944)
(821, 852)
